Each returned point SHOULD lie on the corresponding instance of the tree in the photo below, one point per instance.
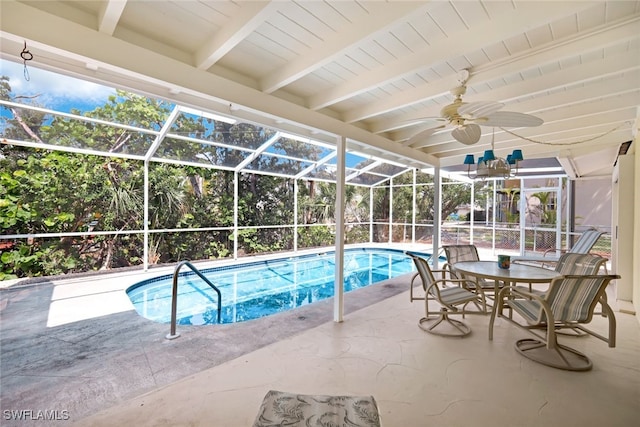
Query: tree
(96, 202)
(542, 211)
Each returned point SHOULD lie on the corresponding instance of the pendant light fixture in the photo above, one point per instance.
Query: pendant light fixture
(489, 166)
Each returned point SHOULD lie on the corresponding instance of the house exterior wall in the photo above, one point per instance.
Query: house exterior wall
(593, 203)
(624, 258)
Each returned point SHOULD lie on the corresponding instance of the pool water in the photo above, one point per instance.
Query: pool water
(258, 289)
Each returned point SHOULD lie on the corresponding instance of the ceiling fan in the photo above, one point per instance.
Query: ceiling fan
(467, 117)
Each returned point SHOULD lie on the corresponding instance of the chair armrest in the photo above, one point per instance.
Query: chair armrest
(511, 291)
(444, 272)
(521, 292)
(475, 288)
(447, 266)
(562, 251)
(508, 292)
(451, 269)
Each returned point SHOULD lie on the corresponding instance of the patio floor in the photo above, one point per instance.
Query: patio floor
(102, 365)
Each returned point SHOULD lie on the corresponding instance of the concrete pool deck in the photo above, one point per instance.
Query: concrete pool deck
(78, 345)
(72, 346)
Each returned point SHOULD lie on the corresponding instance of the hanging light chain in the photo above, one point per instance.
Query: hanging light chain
(565, 143)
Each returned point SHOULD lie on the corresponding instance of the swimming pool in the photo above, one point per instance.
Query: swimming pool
(258, 289)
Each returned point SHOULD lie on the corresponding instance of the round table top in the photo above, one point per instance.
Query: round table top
(517, 272)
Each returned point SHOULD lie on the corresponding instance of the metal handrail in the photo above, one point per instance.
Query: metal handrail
(174, 296)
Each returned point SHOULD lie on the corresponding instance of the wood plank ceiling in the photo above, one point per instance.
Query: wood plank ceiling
(367, 70)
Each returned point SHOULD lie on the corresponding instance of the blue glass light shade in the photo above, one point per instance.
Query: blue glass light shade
(510, 160)
(488, 155)
(469, 160)
(517, 155)
(480, 160)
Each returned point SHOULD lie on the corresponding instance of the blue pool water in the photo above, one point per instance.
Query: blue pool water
(258, 289)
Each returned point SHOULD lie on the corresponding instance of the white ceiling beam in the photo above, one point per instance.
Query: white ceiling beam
(571, 76)
(568, 166)
(382, 16)
(629, 82)
(612, 121)
(539, 151)
(591, 163)
(511, 22)
(586, 72)
(578, 124)
(596, 107)
(626, 30)
(119, 59)
(584, 134)
(110, 13)
(567, 77)
(611, 140)
(591, 112)
(251, 15)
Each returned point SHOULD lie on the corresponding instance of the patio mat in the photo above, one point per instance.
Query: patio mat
(302, 410)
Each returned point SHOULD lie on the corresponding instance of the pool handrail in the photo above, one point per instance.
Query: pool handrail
(174, 296)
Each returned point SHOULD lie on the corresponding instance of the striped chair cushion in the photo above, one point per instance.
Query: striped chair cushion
(571, 300)
(574, 263)
(423, 269)
(530, 310)
(586, 241)
(456, 295)
(459, 253)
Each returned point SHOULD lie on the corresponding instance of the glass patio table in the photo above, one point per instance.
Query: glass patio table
(518, 273)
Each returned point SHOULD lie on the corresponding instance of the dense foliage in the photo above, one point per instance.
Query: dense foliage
(94, 204)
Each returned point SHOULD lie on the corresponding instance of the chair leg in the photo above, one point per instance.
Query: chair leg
(559, 356)
(450, 327)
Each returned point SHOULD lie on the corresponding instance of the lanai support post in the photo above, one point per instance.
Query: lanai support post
(145, 228)
(295, 214)
(235, 215)
(437, 213)
(413, 207)
(338, 288)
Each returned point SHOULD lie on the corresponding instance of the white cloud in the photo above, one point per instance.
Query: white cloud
(56, 90)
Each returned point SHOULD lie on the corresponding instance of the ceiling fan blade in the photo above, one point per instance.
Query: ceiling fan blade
(480, 108)
(421, 136)
(467, 134)
(511, 119)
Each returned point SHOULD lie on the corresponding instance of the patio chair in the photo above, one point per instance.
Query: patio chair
(569, 303)
(453, 296)
(416, 277)
(460, 253)
(578, 264)
(574, 263)
(550, 257)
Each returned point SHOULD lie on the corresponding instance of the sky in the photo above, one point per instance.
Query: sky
(62, 93)
(56, 91)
